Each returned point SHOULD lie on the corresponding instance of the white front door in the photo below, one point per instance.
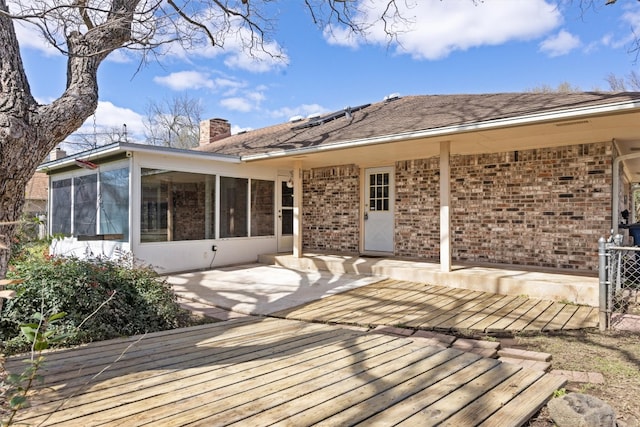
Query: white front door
(378, 214)
(284, 195)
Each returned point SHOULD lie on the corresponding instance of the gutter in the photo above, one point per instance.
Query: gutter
(120, 147)
(449, 130)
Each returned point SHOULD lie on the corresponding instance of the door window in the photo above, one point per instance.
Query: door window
(379, 191)
(287, 208)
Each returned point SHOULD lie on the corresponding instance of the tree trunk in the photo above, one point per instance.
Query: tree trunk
(28, 131)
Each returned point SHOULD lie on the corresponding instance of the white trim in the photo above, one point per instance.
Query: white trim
(123, 147)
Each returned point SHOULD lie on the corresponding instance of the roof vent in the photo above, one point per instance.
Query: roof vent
(295, 119)
(392, 97)
(313, 116)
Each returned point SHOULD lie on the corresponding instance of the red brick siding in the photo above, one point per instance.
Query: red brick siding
(330, 217)
(417, 216)
(545, 207)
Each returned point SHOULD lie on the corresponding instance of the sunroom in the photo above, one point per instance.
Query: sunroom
(175, 209)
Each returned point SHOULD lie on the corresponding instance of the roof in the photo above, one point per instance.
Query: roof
(411, 114)
(106, 151)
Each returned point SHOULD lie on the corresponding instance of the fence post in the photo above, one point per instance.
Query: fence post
(602, 274)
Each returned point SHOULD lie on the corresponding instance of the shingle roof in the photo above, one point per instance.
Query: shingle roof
(409, 114)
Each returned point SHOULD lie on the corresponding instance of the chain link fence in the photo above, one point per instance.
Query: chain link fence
(619, 281)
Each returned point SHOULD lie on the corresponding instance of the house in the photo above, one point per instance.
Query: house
(35, 200)
(524, 179)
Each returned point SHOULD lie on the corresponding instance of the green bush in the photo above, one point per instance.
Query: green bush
(135, 299)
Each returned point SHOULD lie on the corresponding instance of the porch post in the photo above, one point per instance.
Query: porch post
(445, 199)
(297, 209)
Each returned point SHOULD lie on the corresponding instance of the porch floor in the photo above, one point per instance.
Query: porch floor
(420, 306)
(262, 371)
(319, 295)
(468, 299)
(542, 283)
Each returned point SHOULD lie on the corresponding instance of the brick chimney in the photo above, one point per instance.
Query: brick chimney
(57, 154)
(213, 130)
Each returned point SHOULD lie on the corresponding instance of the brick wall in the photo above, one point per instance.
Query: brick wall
(544, 207)
(417, 216)
(188, 211)
(330, 217)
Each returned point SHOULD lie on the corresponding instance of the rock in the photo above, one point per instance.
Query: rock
(581, 410)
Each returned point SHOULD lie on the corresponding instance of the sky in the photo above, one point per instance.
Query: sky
(450, 47)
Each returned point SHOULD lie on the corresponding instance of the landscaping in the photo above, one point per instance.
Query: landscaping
(102, 298)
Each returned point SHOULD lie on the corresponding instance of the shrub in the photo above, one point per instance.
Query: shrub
(135, 299)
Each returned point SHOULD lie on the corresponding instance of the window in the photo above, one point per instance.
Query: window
(262, 207)
(91, 204)
(233, 207)
(182, 206)
(379, 191)
(85, 203)
(287, 208)
(176, 206)
(61, 207)
(114, 202)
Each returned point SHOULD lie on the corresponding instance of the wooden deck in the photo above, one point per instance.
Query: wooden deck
(265, 371)
(440, 308)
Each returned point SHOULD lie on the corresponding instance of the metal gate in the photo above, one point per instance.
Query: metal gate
(619, 272)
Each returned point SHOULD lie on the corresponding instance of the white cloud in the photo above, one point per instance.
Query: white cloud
(631, 16)
(237, 103)
(120, 56)
(235, 129)
(340, 36)
(246, 101)
(183, 80)
(439, 28)
(257, 60)
(105, 126)
(240, 48)
(560, 44)
(630, 24)
(109, 115)
(303, 110)
(30, 37)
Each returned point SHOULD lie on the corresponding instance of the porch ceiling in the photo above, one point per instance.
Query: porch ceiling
(622, 127)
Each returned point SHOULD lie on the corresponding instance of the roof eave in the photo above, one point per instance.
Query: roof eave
(120, 147)
(551, 116)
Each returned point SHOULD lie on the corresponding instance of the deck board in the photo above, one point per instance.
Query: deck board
(431, 307)
(264, 371)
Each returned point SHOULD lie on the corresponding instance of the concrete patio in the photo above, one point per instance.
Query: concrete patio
(300, 289)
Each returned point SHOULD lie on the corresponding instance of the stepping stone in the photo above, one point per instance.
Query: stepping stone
(580, 377)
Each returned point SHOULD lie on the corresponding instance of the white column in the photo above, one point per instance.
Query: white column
(297, 209)
(445, 200)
